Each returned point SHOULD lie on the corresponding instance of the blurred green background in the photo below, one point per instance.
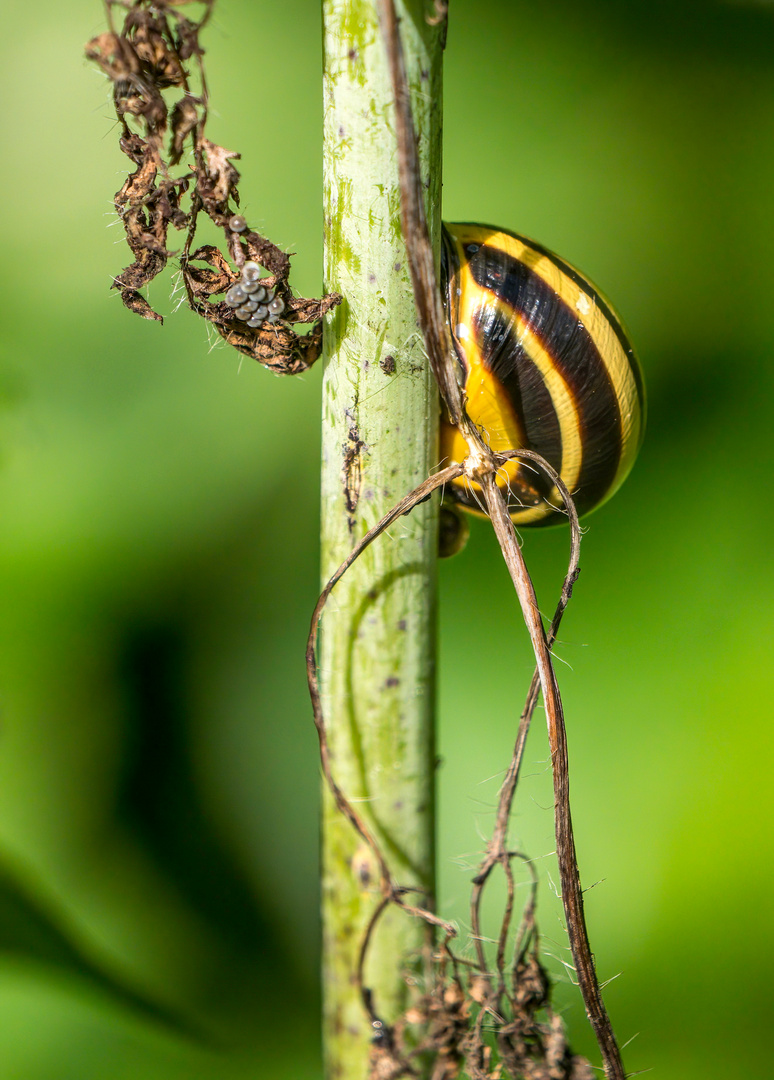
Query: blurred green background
(158, 552)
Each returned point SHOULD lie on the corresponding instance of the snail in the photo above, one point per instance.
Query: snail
(546, 366)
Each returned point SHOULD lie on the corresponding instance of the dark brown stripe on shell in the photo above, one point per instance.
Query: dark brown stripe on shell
(576, 357)
(615, 325)
(528, 394)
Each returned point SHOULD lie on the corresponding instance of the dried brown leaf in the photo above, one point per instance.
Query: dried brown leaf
(187, 39)
(217, 186)
(114, 55)
(276, 261)
(205, 283)
(138, 304)
(149, 37)
(185, 117)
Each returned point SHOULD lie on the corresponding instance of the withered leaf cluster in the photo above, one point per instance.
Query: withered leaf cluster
(154, 62)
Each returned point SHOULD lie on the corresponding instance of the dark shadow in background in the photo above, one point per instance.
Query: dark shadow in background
(159, 800)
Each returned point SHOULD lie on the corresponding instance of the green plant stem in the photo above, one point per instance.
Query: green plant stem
(380, 412)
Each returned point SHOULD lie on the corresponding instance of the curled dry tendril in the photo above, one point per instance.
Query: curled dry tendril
(453, 1034)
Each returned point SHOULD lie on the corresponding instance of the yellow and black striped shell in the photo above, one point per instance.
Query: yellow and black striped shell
(546, 366)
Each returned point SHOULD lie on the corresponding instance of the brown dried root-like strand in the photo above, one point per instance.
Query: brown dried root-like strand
(505, 925)
(365, 993)
(573, 570)
(572, 894)
(414, 224)
(497, 851)
(387, 1054)
(496, 847)
(405, 506)
(527, 930)
(391, 891)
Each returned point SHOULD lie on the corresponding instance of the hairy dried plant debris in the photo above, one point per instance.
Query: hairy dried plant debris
(469, 1025)
(162, 114)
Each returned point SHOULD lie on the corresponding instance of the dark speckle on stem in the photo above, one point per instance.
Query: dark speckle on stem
(397, 267)
(372, 278)
(361, 868)
(402, 624)
(392, 682)
(352, 56)
(342, 132)
(352, 470)
(388, 365)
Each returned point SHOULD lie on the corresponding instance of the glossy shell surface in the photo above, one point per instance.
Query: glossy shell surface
(546, 365)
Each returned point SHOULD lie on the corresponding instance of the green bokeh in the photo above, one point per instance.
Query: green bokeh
(158, 547)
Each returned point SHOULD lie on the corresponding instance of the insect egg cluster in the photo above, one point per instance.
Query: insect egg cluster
(253, 304)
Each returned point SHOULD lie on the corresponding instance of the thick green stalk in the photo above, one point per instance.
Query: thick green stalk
(380, 412)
